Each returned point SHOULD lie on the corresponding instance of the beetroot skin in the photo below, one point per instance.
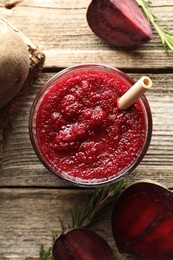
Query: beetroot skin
(142, 221)
(119, 22)
(81, 244)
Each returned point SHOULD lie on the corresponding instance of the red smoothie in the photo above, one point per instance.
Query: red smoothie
(80, 133)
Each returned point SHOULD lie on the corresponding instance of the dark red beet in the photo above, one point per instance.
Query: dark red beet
(81, 244)
(142, 221)
(119, 22)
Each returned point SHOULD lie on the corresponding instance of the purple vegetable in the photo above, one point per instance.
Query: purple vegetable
(142, 221)
(81, 244)
(119, 22)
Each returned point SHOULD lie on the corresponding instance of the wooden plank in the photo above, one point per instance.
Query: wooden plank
(1, 146)
(27, 217)
(21, 167)
(62, 33)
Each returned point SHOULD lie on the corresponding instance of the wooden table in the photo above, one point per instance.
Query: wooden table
(31, 199)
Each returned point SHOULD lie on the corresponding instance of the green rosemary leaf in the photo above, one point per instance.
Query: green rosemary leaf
(166, 37)
(45, 254)
(62, 224)
(54, 236)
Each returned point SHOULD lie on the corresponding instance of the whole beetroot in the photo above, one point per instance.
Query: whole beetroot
(14, 63)
(119, 22)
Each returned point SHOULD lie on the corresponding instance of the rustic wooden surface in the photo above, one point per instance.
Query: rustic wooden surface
(31, 199)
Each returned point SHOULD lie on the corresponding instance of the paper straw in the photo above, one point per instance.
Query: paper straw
(136, 91)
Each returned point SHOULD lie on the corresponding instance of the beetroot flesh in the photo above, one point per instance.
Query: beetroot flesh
(142, 221)
(119, 22)
(81, 244)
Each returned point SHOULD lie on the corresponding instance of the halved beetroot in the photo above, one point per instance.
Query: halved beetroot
(142, 221)
(81, 244)
(119, 22)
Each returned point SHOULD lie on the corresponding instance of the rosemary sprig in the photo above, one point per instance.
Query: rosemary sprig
(165, 36)
(96, 207)
(46, 254)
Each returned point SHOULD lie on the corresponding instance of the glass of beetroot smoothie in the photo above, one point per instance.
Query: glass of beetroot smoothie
(80, 134)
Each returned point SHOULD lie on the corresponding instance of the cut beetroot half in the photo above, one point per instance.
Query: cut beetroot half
(142, 221)
(119, 22)
(81, 244)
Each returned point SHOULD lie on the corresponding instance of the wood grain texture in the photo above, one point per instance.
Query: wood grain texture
(27, 218)
(62, 33)
(29, 215)
(1, 146)
(21, 167)
(31, 199)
